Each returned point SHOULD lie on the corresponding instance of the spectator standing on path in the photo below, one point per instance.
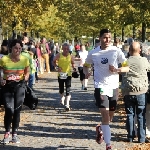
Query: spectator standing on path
(29, 55)
(15, 72)
(88, 46)
(63, 62)
(71, 48)
(57, 48)
(106, 83)
(34, 59)
(45, 55)
(82, 56)
(77, 49)
(118, 43)
(130, 40)
(39, 56)
(125, 49)
(4, 49)
(52, 54)
(134, 87)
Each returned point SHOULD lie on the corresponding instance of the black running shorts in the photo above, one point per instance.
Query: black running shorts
(104, 101)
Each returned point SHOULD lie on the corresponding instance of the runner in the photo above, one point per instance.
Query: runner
(106, 83)
(82, 56)
(62, 63)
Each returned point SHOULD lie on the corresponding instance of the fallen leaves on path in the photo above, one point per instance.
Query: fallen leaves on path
(121, 111)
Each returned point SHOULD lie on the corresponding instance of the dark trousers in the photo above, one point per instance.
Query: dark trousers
(135, 104)
(67, 83)
(51, 62)
(13, 97)
(82, 75)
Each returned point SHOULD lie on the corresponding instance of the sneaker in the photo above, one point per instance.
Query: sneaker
(6, 139)
(99, 134)
(85, 89)
(67, 108)
(108, 148)
(15, 138)
(49, 72)
(62, 100)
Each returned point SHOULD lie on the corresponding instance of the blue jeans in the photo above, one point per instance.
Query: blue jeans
(136, 104)
(31, 80)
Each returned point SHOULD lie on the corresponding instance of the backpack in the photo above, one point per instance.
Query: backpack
(30, 99)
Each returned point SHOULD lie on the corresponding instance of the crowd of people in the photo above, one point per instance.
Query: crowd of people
(23, 60)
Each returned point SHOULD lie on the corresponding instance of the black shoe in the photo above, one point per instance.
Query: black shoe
(67, 109)
(85, 89)
(146, 141)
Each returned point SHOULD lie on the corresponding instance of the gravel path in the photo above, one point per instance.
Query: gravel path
(49, 127)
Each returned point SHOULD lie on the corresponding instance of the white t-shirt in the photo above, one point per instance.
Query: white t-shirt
(83, 56)
(101, 59)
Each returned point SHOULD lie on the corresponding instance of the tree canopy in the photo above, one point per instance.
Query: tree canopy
(70, 18)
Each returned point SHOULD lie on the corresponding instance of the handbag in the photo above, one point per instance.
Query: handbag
(30, 99)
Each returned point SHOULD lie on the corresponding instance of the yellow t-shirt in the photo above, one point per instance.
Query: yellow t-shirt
(13, 70)
(64, 63)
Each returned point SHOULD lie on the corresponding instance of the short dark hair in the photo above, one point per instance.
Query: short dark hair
(13, 43)
(104, 31)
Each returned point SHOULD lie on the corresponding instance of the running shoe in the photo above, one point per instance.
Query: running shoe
(99, 134)
(67, 108)
(108, 147)
(15, 138)
(6, 139)
(62, 100)
(85, 89)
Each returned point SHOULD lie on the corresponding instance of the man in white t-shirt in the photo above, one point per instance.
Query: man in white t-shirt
(106, 83)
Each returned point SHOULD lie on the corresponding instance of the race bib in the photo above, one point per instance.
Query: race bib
(13, 77)
(63, 75)
(106, 91)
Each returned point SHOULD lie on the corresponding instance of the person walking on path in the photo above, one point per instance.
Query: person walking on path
(62, 62)
(106, 83)
(134, 86)
(15, 69)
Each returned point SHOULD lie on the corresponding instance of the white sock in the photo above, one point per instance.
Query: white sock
(68, 100)
(85, 82)
(106, 133)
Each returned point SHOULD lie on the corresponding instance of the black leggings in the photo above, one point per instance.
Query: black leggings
(67, 85)
(82, 75)
(13, 97)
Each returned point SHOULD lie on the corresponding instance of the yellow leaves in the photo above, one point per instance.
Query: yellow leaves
(140, 147)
